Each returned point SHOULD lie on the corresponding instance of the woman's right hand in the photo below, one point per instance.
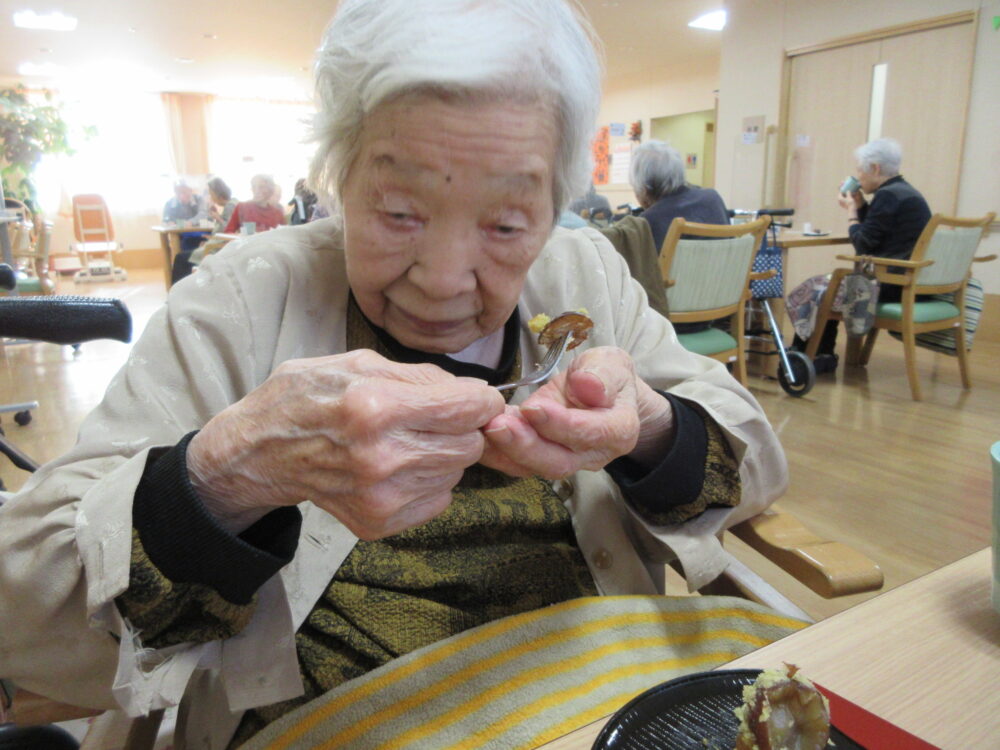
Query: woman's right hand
(377, 444)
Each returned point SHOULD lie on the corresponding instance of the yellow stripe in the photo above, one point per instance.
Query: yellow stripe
(491, 630)
(555, 700)
(416, 701)
(374, 685)
(545, 672)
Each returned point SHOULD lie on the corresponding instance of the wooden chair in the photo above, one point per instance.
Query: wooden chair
(709, 279)
(95, 240)
(940, 264)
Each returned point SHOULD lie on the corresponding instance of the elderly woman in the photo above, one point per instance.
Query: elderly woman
(657, 177)
(322, 402)
(263, 211)
(888, 227)
(221, 203)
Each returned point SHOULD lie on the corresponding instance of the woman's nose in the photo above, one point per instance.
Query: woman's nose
(445, 265)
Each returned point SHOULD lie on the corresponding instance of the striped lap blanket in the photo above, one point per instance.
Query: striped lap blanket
(527, 679)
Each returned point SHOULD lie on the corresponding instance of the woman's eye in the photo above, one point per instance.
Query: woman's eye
(401, 219)
(506, 230)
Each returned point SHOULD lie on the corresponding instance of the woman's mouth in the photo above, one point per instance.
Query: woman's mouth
(432, 327)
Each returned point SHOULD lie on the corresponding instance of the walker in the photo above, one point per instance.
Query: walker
(796, 375)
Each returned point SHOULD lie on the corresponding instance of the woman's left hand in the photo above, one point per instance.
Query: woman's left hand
(584, 418)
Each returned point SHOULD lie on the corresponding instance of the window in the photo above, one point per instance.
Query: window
(247, 137)
(121, 153)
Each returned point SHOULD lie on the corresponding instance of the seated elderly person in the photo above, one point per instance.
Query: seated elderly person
(185, 206)
(221, 203)
(263, 211)
(656, 174)
(306, 470)
(595, 205)
(888, 227)
(657, 177)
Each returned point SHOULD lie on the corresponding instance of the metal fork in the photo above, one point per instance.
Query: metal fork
(546, 367)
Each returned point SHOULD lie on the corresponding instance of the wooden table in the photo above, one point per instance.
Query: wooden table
(789, 239)
(170, 242)
(924, 656)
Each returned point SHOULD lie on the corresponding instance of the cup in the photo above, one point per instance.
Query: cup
(851, 185)
(807, 228)
(995, 455)
(248, 227)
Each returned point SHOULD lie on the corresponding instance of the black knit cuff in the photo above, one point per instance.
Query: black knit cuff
(188, 544)
(679, 477)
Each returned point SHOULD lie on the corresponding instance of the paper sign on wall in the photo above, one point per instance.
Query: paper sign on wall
(617, 128)
(621, 159)
(753, 129)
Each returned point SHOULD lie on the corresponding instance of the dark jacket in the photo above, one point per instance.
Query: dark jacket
(692, 203)
(632, 238)
(889, 226)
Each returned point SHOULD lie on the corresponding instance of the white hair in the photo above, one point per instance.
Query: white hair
(520, 50)
(656, 170)
(885, 152)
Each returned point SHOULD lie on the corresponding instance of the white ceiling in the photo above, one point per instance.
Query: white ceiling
(265, 48)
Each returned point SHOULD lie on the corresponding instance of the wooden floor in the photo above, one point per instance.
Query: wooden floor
(907, 483)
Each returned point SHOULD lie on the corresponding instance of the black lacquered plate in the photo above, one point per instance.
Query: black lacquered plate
(694, 712)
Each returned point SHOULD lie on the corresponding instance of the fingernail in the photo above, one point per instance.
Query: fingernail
(499, 434)
(536, 414)
(604, 388)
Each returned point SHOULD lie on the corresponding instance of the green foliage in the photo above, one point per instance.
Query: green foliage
(27, 131)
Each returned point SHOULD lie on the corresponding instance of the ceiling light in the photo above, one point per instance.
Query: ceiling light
(54, 21)
(714, 21)
(184, 60)
(210, 36)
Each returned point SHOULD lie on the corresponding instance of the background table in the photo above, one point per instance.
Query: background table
(170, 242)
(925, 656)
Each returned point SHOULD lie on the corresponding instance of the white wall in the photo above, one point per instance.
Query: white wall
(656, 92)
(753, 47)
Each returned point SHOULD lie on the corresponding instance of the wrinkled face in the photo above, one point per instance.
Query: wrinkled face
(184, 193)
(870, 179)
(446, 206)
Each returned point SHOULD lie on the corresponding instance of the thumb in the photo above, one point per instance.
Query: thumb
(599, 381)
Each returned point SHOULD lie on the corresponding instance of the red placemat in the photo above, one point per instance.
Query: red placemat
(869, 730)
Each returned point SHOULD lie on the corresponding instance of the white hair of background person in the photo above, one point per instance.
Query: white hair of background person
(522, 50)
(264, 180)
(656, 170)
(885, 152)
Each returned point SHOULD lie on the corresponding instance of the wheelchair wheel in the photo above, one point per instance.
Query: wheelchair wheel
(22, 417)
(803, 371)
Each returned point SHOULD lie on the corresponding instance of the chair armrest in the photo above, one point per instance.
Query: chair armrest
(763, 275)
(828, 568)
(985, 258)
(874, 260)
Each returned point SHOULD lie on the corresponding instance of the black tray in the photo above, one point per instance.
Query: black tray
(694, 711)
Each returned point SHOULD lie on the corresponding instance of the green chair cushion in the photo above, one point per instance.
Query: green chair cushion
(923, 312)
(711, 341)
(30, 284)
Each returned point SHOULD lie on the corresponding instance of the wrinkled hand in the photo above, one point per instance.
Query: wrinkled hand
(853, 201)
(584, 418)
(377, 444)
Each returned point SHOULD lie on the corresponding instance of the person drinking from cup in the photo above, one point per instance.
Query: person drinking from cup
(887, 227)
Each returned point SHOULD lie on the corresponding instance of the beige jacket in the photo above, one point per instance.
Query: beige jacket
(65, 539)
